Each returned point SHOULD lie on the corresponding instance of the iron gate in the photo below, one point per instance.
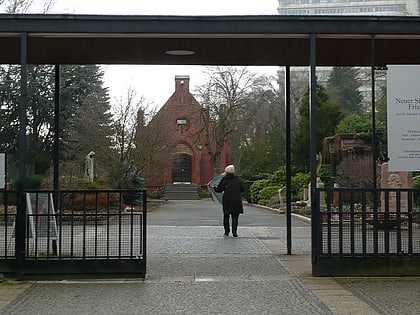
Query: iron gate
(69, 233)
(366, 232)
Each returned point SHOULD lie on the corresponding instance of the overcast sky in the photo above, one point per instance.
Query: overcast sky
(167, 7)
(157, 83)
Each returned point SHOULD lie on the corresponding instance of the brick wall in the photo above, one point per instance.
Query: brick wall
(179, 121)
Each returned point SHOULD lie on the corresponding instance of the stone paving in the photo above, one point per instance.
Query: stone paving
(387, 295)
(193, 269)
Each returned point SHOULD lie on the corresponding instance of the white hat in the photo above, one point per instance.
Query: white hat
(230, 169)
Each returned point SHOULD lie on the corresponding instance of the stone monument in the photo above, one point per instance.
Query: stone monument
(395, 180)
(90, 167)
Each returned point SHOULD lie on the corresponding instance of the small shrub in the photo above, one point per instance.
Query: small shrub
(203, 193)
(156, 194)
(278, 177)
(255, 189)
(42, 163)
(416, 184)
(268, 192)
(246, 194)
(299, 182)
(33, 182)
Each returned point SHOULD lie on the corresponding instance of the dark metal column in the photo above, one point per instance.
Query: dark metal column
(20, 227)
(56, 128)
(374, 142)
(375, 184)
(288, 161)
(56, 163)
(313, 151)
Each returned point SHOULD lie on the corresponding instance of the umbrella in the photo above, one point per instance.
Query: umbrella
(212, 184)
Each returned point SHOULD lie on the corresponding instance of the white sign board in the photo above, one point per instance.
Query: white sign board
(42, 221)
(2, 170)
(403, 115)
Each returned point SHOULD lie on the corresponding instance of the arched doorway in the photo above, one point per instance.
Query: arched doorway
(181, 169)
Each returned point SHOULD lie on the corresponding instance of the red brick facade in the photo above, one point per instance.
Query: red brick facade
(179, 122)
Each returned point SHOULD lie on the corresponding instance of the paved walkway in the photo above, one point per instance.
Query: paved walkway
(193, 269)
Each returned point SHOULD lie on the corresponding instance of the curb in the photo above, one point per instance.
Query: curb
(275, 210)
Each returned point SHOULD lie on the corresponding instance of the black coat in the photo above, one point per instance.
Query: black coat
(232, 187)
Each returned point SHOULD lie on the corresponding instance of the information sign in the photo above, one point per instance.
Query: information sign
(403, 115)
(42, 221)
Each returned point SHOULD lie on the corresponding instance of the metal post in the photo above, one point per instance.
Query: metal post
(375, 184)
(313, 150)
(144, 232)
(56, 128)
(20, 227)
(288, 162)
(56, 143)
(374, 142)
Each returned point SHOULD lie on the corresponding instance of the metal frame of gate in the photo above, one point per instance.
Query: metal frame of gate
(74, 234)
(353, 248)
(302, 28)
(367, 232)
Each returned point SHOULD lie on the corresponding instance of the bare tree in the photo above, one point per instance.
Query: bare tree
(23, 6)
(262, 143)
(299, 81)
(48, 5)
(155, 145)
(224, 98)
(17, 6)
(125, 112)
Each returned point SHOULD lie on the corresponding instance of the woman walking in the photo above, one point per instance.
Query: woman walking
(232, 186)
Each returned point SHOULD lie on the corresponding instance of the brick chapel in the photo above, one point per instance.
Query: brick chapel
(179, 123)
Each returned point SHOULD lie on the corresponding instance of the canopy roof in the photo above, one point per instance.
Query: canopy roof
(212, 40)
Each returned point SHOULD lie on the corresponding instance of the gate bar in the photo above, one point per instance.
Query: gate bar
(56, 130)
(312, 111)
(288, 161)
(375, 184)
(20, 227)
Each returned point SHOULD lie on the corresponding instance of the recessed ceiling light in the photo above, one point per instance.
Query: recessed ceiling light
(180, 52)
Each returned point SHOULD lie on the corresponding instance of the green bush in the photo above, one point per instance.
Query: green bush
(416, 184)
(204, 193)
(33, 182)
(325, 175)
(254, 190)
(155, 194)
(152, 195)
(246, 194)
(268, 192)
(299, 182)
(262, 191)
(42, 163)
(278, 177)
(416, 181)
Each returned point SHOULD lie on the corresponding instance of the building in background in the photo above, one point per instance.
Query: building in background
(349, 7)
(184, 158)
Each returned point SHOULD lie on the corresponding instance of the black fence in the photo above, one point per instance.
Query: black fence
(69, 233)
(367, 232)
